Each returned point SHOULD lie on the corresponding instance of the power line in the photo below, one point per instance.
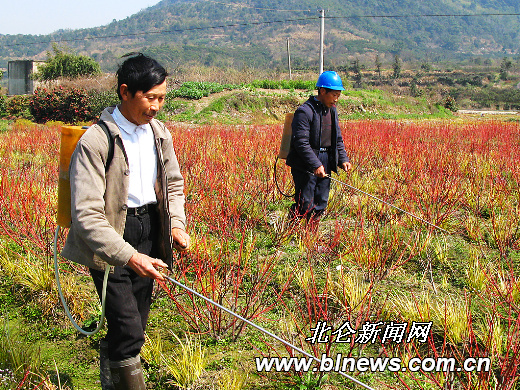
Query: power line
(420, 16)
(180, 30)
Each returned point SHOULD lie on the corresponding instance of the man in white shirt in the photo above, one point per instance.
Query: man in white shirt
(127, 212)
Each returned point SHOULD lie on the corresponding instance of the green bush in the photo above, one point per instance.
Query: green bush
(450, 104)
(196, 90)
(18, 107)
(99, 100)
(3, 111)
(284, 84)
(69, 105)
(63, 64)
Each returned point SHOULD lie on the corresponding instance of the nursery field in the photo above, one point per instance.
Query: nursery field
(393, 302)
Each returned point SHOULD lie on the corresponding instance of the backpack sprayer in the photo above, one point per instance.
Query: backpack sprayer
(69, 138)
(285, 146)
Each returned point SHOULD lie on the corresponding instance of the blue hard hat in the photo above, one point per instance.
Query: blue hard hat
(330, 80)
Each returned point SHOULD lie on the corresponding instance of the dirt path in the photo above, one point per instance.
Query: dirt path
(206, 100)
(486, 112)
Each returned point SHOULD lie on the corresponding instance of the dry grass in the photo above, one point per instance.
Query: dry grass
(181, 74)
(449, 314)
(184, 367)
(103, 82)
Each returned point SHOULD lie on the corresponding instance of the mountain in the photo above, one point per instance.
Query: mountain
(254, 33)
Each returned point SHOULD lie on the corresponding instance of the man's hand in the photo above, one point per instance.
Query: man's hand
(181, 239)
(320, 172)
(346, 166)
(146, 266)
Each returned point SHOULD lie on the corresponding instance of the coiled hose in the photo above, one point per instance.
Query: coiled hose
(62, 298)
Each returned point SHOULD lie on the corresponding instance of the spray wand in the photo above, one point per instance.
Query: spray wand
(265, 331)
(385, 202)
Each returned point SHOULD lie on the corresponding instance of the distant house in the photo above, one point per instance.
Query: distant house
(19, 75)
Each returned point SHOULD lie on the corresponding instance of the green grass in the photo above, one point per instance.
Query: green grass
(250, 103)
(196, 90)
(283, 84)
(376, 104)
(4, 125)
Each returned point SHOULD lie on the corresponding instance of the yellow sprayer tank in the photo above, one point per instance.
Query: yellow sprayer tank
(285, 145)
(69, 138)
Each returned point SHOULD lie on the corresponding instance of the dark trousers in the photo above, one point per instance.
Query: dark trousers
(128, 296)
(311, 192)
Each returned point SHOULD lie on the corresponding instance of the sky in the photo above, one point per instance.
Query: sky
(40, 17)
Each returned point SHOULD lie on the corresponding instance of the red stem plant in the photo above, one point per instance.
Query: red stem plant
(229, 188)
(327, 298)
(235, 279)
(408, 165)
(461, 177)
(495, 336)
(28, 172)
(228, 174)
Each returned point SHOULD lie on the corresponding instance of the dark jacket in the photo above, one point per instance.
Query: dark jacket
(306, 137)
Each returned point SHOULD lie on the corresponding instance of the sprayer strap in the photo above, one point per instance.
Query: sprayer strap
(110, 139)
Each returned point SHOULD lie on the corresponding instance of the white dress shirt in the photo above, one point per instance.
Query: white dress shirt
(139, 143)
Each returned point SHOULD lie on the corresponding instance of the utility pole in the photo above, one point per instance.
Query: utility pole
(322, 34)
(289, 59)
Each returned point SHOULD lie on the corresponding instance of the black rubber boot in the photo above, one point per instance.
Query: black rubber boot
(128, 374)
(104, 367)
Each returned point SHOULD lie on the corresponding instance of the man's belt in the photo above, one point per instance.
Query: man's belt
(325, 149)
(137, 210)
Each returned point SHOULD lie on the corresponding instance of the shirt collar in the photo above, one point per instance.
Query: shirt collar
(124, 124)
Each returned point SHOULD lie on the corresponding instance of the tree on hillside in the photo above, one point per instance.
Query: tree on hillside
(505, 66)
(397, 67)
(64, 64)
(356, 68)
(379, 66)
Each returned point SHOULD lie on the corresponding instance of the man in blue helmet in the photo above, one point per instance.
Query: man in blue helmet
(316, 149)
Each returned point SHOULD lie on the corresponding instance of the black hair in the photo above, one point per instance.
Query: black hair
(139, 73)
(327, 90)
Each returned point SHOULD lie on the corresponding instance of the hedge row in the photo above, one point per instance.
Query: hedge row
(69, 105)
(196, 90)
(72, 105)
(283, 84)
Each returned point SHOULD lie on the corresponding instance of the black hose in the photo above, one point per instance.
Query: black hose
(276, 181)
